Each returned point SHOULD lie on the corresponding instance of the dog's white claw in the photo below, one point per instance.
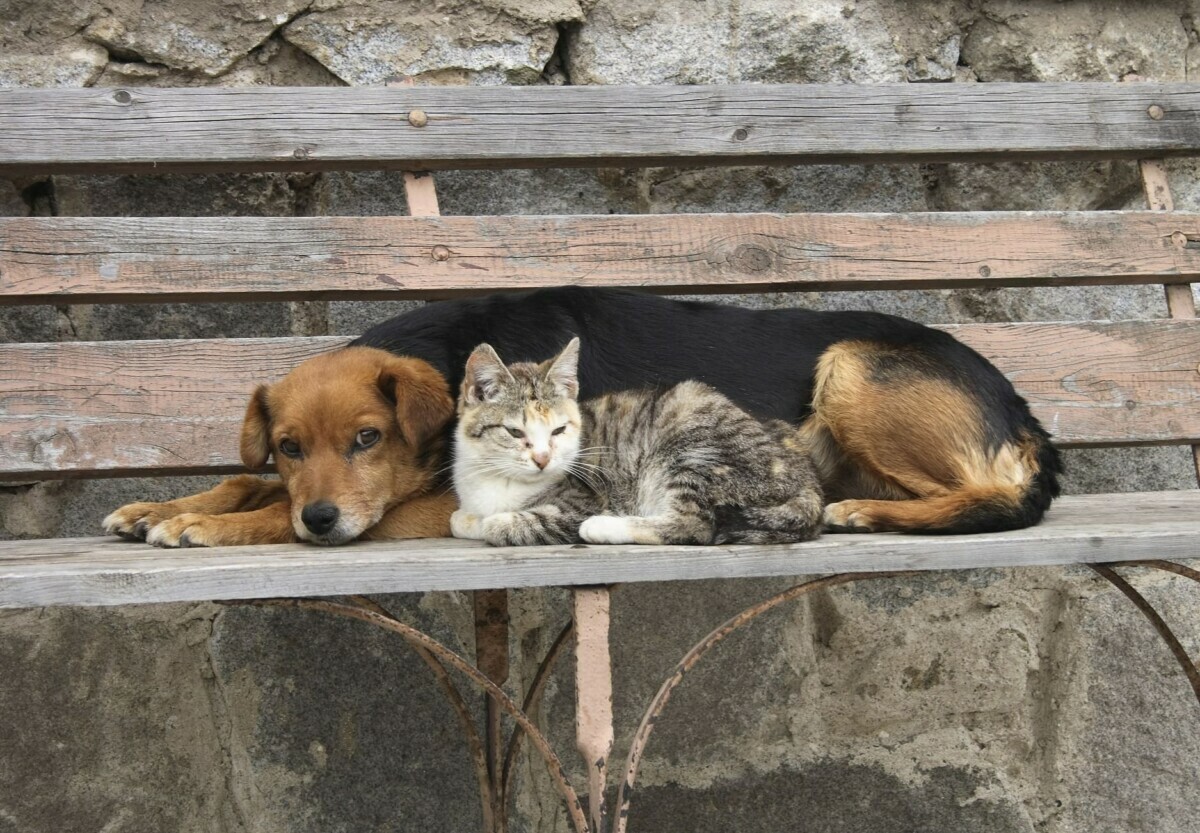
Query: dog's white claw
(159, 536)
(606, 529)
(114, 524)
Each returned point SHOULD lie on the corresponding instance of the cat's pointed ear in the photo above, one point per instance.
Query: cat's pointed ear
(563, 372)
(485, 374)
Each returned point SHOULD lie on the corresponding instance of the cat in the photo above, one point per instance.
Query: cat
(682, 465)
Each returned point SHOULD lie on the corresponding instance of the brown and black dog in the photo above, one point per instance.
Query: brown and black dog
(911, 430)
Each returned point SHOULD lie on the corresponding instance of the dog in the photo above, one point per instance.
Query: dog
(910, 430)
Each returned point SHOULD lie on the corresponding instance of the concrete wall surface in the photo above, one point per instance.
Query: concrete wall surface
(990, 701)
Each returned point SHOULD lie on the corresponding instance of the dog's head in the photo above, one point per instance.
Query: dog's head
(353, 433)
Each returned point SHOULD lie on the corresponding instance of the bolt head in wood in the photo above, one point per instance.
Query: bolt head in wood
(741, 134)
(300, 153)
(1155, 112)
(440, 253)
(417, 118)
(1179, 239)
(123, 97)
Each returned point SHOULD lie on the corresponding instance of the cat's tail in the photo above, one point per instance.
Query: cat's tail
(797, 520)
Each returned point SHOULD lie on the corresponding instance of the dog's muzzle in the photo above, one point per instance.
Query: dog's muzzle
(320, 517)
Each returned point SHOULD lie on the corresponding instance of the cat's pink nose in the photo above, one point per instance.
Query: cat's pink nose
(541, 459)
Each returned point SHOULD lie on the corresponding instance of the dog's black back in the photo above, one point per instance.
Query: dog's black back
(762, 359)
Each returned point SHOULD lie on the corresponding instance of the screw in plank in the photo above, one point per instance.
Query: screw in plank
(1155, 112)
(985, 271)
(300, 153)
(440, 253)
(417, 118)
(122, 97)
(741, 134)
(1179, 239)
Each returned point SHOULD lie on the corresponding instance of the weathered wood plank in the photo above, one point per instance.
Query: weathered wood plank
(110, 408)
(1100, 383)
(93, 571)
(105, 259)
(274, 128)
(127, 406)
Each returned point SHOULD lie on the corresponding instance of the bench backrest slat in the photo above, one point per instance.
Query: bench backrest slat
(261, 128)
(98, 259)
(70, 409)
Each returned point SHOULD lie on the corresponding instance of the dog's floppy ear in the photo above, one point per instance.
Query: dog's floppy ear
(256, 430)
(422, 398)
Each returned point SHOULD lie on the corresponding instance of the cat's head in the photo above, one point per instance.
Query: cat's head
(520, 421)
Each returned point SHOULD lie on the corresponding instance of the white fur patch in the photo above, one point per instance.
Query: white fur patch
(466, 525)
(607, 529)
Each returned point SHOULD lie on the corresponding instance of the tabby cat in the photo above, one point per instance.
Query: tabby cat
(682, 465)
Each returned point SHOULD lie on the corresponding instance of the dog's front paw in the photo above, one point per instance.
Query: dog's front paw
(135, 520)
(845, 516)
(606, 529)
(465, 525)
(187, 530)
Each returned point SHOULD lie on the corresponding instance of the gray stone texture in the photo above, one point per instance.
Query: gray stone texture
(1034, 700)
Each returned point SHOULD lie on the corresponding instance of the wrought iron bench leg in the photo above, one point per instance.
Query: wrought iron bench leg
(593, 695)
(491, 657)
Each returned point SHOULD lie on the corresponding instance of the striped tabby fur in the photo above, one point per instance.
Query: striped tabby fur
(682, 465)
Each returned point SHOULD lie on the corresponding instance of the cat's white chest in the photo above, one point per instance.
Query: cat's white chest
(484, 494)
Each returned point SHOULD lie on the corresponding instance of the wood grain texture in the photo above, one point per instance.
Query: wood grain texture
(106, 259)
(264, 128)
(1180, 301)
(110, 408)
(98, 571)
(122, 407)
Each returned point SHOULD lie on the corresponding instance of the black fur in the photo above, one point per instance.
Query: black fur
(762, 359)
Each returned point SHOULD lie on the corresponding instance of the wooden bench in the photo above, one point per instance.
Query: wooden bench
(70, 410)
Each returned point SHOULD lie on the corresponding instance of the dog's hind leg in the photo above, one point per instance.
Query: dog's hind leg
(244, 493)
(914, 450)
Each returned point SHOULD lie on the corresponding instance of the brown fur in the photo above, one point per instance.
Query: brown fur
(912, 446)
(389, 490)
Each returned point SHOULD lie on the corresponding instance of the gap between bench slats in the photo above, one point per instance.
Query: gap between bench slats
(107, 571)
(91, 260)
(263, 128)
(111, 408)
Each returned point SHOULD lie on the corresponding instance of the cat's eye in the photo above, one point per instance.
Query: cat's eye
(516, 432)
(560, 429)
(366, 438)
(289, 448)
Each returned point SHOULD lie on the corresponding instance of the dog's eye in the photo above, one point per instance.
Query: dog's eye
(290, 448)
(560, 429)
(366, 438)
(516, 432)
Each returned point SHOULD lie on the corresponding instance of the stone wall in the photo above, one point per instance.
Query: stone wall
(991, 701)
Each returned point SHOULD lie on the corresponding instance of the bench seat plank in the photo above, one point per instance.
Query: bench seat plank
(175, 406)
(277, 128)
(99, 571)
(109, 259)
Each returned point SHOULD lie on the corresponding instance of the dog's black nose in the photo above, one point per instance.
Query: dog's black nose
(320, 517)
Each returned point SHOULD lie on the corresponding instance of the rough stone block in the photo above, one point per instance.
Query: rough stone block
(467, 41)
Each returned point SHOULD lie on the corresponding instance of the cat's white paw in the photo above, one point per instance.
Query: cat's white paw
(465, 525)
(606, 529)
